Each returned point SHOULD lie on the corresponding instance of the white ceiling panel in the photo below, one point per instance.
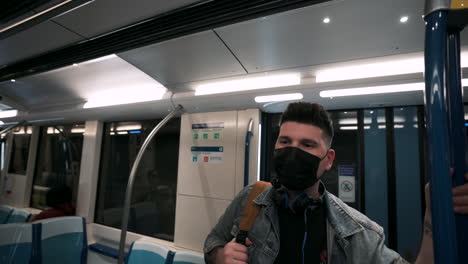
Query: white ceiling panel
(102, 16)
(34, 41)
(358, 29)
(192, 58)
(74, 84)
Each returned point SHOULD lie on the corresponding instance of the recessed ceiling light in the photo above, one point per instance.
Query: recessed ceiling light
(13, 80)
(404, 19)
(326, 20)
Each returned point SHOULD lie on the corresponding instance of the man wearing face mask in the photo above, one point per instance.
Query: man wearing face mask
(299, 221)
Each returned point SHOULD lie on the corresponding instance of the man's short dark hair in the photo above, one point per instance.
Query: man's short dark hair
(311, 114)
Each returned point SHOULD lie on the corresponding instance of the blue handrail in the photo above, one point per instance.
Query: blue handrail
(443, 219)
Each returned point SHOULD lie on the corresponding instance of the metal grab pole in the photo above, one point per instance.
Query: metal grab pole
(457, 133)
(443, 219)
(12, 127)
(128, 192)
(247, 152)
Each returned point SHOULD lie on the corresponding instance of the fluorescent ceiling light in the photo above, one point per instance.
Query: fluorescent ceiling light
(374, 90)
(103, 58)
(395, 67)
(404, 19)
(78, 130)
(248, 84)
(397, 88)
(136, 94)
(378, 69)
(8, 113)
(128, 127)
(278, 97)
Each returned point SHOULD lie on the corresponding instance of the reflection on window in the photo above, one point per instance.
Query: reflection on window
(152, 211)
(20, 150)
(58, 161)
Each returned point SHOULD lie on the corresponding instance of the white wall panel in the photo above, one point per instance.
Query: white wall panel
(214, 180)
(205, 189)
(194, 219)
(89, 170)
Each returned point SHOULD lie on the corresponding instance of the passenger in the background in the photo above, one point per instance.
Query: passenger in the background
(299, 221)
(59, 199)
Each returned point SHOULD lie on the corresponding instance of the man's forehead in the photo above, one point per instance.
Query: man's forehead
(300, 131)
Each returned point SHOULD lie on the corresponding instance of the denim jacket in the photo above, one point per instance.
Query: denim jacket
(351, 236)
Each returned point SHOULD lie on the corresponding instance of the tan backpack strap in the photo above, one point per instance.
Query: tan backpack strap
(250, 211)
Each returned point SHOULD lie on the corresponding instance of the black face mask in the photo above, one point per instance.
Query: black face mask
(296, 169)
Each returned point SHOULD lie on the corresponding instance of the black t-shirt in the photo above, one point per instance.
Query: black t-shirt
(303, 235)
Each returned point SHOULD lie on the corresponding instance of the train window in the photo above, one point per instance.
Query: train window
(408, 180)
(58, 161)
(343, 179)
(20, 150)
(152, 211)
(375, 156)
(3, 148)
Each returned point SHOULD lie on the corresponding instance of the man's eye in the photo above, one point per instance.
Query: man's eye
(307, 145)
(284, 142)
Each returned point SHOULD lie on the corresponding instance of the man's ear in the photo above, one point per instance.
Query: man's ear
(330, 159)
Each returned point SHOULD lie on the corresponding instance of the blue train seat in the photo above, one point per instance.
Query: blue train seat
(145, 252)
(15, 243)
(183, 257)
(63, 240)
(19, 216)
(5, 212)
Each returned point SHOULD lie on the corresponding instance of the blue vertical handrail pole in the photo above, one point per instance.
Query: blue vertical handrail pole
(457, 133)
(443, 219)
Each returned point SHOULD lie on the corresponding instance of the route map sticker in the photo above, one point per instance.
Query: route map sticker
(347, 183)
(207, 154)
(207, 131)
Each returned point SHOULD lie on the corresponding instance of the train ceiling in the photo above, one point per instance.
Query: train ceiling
(294, 41)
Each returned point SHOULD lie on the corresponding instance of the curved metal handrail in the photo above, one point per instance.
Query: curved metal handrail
(128, 192)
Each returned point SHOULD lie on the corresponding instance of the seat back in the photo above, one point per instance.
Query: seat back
(63, 240)
(19, 216)
(145, 252)
(5, 212)
(15, 243)
(184, 257)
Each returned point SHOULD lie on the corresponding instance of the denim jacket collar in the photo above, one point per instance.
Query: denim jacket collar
(338, 216)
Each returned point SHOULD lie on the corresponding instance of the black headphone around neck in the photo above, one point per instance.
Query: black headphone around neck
(301, 202)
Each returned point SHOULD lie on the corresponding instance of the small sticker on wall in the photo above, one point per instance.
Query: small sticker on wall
(207, 154)
(347, 183)
(207, 131)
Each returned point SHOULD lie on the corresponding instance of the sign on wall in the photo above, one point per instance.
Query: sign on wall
(347, 183)
(207, 131)
(207, 154)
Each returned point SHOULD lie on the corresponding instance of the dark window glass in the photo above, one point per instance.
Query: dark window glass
(58, 161)
(343, 178)
(20, 150)
(152, 211)
(408, 181)
(375, 152)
